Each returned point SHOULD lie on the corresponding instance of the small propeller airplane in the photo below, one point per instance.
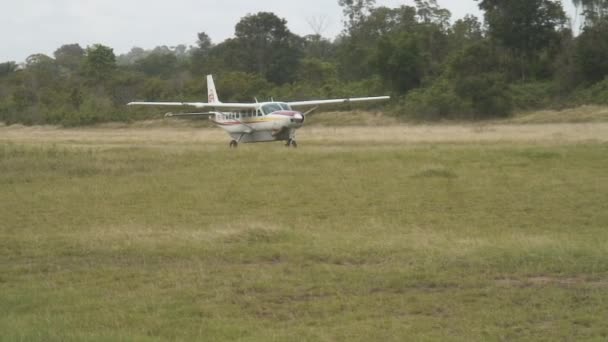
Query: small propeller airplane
(255, 122)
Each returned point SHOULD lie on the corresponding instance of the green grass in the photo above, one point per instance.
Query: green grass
(328, 243)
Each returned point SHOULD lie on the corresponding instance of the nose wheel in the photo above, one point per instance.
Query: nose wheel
(234, 144)
(291, 143)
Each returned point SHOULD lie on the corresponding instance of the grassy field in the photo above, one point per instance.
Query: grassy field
(459, 233)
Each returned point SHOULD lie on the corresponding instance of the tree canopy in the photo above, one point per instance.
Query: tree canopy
(524, 56)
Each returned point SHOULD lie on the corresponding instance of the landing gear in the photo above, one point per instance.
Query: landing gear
(234, 144)
(291, 143)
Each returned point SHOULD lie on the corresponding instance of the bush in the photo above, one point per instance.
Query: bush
(7, 112)
(488, 94)
(596, 94)
(93, 110)
(439, 101)
(479, 96)
(538, 95)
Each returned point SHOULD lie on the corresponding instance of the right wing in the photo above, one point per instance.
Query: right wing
(336, 101)
(226, 106)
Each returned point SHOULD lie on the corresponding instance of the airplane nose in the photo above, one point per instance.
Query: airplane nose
(299, 117)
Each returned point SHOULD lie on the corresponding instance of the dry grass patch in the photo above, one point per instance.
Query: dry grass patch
(583, 114)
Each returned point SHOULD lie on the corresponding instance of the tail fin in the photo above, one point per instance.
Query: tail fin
(211, 92)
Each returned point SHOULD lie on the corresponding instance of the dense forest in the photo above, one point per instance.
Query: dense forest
(523, 55)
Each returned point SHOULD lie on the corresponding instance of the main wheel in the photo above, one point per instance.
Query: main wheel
(234, 144)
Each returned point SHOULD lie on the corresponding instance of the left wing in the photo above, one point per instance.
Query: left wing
(198, 105)
(336, 101)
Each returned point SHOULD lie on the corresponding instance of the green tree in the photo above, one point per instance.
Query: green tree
(591, 52)
(316, 72)
(400, 61)
(525, 27)
(163, 64)
(356, 10)
(7, 68)
(41, 71)
(99, 63)
(204, 41)
(38, 61)
(242, 87)
(315, 46)
(429, 12)
(475, 77)
(357, 47)
(200, 56)
(465, 31)
(24, 98)
(70, 56)
(594, 10)
(132, 56)
(268, 47)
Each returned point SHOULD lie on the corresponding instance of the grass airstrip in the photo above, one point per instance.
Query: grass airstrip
(421, 233)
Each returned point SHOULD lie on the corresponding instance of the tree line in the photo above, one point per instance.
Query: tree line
(523, 55)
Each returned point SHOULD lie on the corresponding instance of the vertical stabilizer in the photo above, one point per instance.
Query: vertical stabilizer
(211, 92)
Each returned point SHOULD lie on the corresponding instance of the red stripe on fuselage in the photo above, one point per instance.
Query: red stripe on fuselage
(286, 113)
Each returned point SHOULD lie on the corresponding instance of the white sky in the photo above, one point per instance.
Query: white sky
(42, 26)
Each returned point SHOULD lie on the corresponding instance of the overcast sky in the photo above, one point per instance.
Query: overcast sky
(41, 26)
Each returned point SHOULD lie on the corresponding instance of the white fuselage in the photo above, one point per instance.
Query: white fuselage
(272, 121)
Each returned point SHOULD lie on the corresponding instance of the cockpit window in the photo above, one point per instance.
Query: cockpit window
(284, 106)
(271, 108)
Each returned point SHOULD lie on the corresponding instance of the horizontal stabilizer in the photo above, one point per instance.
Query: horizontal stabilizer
(173, 115)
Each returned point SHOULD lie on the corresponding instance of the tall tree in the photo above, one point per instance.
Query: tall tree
(132, 56)
(465, 31)
(200, 55)
(430, 12)
(70, 56)
(204, 41)
(525, 27)
(356, 10)
(161, 64)
(357, 47)
(270, 48)
(591, 53)
(7, 68)
(400, 61)
(99, 63)
(42, 71)
(594, 10)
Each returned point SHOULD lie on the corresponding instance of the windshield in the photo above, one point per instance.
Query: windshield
(284, 106)
(271, 108)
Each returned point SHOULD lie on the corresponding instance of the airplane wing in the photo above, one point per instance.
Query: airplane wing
(226, 106)
(337, 101)
(173, 115)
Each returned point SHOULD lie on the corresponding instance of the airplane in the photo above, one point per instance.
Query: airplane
(255, 122)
